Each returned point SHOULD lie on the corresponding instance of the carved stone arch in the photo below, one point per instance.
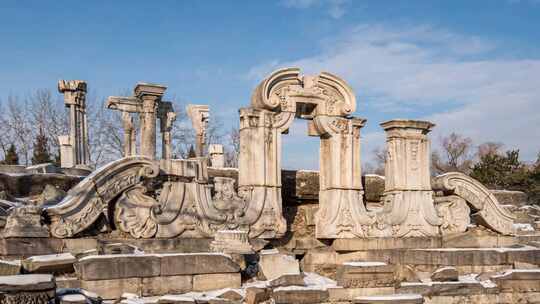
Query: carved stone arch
(327, 101)
(284, 90)
(489, 211)
(91, 197)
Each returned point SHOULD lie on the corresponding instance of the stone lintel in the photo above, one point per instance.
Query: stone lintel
(143, 88)
(124, 104)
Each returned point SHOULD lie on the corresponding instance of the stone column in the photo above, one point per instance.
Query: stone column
(341, 209)
(259, 174)
(408, 198)
(75, 99)
(130, 139)
(199, 115)
(217, 159)
(166, 118)
(150, 96)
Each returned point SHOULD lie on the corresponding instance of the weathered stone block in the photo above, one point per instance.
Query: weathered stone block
(291, 295)
(506, 197)
(166, 285)
(389, 299)
(30, 246)
(365, 275)
(79, 245)
(231, 295)
(113, 289)
(175, 299)
(107, 267)
(445, 274)
(27, 282)
(288, 280)
(255, 295)
(197, 263)
(273, 264)
(10, 267)
(349, 294)
(446, 288)
(52, 263)
(67, 282)
(205, 282)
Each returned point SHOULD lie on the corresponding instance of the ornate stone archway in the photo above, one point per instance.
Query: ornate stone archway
(327, 102)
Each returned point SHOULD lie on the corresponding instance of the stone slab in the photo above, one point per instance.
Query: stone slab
(386, 243)
(206, 282)
(27, 282)
(197, 263)
(107, 267)
(389, 299)
(157, 286)
(10, 267)
(365, 274)
(52, 263)
(349, 294)
(67, 282)
(113, 289)
(288, 295)
(24, 247)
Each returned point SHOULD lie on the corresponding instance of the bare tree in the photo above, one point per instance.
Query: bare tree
(232, 148)
(489, 148)
(455, 154)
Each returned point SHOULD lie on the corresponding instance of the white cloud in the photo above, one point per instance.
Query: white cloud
(453, 80)
(335, 8)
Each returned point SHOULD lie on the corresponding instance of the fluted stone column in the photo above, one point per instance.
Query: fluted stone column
(199, 115)
(150, 96)
(409, 209)
(145, 103)
(130, 136)
(166, 117)
(75, 99)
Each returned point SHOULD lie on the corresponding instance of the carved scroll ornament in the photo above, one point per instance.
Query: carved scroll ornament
(489, 211)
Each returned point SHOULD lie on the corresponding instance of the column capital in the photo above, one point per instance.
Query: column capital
(413, 125)
(74, 91)
(149, 89)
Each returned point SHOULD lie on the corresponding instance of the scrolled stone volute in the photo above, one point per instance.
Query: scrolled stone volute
(91, 197)
(285, 90)
(489, 213)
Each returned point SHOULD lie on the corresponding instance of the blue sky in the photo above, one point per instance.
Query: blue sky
(469, 66)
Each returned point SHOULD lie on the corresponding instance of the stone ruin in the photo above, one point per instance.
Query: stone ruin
(148, 229)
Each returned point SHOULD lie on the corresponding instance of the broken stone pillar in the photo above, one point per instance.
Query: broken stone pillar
(199, 115)
(77, 155)
(217, 158)
(408, 198)
(166, 117)
(145, 102)
(130, 135)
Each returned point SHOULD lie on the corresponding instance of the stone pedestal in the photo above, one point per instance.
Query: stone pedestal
(408, 200)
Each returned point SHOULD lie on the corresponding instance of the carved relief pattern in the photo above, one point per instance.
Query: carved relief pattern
(455, 214)
(91, 197)
(489, 213)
